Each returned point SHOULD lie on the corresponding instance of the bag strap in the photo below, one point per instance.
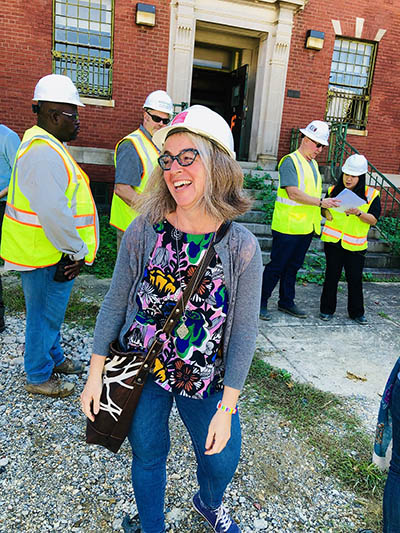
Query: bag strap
(180, 306)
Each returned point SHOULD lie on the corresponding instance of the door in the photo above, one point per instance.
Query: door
(238, 109)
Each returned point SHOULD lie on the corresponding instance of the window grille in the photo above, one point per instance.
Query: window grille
(83, 44)
(350, 82)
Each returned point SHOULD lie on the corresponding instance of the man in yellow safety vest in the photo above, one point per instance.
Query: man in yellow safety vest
(50, 230)
(297, 215)
(135, 157)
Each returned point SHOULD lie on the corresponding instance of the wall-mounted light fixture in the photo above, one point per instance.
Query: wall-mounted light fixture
(145, 14)
(315, 39)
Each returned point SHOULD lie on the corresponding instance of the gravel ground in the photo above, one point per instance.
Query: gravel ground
(51, 481)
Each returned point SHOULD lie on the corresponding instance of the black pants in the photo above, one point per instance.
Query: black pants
(2, 209)
(353, 263)
(287, 257)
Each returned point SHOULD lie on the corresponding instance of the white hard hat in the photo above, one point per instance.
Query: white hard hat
(57, 88)
(355, 165)
(317, 131)
(159, 101)
(203, 121)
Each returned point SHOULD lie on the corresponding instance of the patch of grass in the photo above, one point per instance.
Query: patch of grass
(326, 425)
(268, 197)
(254, 182)
(384, 315)
(103, 265)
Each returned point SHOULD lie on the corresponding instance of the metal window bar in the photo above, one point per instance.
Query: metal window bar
(350, 82)
(83, 44)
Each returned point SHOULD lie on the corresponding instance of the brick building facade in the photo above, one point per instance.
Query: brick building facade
(309, 73)
(196, 49)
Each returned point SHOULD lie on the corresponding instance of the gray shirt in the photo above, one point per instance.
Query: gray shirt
(129, 168)
(240, 256)
(288, 174)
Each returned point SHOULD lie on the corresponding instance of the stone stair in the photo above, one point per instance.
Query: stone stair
(379, 261)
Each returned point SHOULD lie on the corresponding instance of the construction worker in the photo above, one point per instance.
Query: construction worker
(297, 215)
(50, 230)
(135, 157)
(345, 238)
(9, 143)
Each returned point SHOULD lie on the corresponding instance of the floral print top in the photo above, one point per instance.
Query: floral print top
(192, 365)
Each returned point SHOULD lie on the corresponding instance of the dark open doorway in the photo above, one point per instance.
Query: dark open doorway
(225, 93)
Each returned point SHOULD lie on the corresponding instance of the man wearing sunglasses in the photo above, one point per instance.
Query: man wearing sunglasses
(50, 230)
(297, 215)
(135, 157)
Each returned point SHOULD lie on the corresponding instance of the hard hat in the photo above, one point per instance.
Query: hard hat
(159, 101)
(317, 131)
(203, 121)
(57, 88)
(355, 165)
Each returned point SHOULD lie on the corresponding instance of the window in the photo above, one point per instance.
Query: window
(350, 82)
(82, 44)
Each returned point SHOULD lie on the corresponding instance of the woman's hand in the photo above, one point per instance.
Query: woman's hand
(353, 211)
(90, 397)
(219, 432)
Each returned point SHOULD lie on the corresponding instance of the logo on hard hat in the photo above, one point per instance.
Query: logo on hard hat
(312, 127)
(180, 118)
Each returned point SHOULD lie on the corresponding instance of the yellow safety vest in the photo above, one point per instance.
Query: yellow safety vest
(121, 213)
(292, 217)
(350, 229)
(24, 241)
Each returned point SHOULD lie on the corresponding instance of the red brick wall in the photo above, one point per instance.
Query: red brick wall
(140, 66)
(309, 72)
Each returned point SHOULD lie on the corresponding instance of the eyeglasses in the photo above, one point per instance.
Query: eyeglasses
(72, 116)
(156, 118)
(185, 158)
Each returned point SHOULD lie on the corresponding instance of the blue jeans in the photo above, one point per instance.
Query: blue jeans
(287, 256)
(46, 301)
(391, 497)
(150, 441)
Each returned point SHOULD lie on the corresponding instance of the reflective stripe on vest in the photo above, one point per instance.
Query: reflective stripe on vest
(295, 218)
(121, 213)
(349, 229)
(25, 242)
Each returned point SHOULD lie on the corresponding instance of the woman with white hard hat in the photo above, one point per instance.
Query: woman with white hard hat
(345, 238)
(186, 208)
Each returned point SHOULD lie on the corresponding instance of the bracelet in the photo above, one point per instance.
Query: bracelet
(230, 410)
(320, 202)
(359, 214)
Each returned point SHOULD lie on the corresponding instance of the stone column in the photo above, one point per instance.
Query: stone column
(271, 84)
(181, 49)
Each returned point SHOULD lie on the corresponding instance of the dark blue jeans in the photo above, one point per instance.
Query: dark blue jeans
(46, 301)
(287, 256)
(150, 442)
(391, 498)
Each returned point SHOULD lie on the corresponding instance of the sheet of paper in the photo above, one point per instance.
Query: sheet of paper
(348, 200)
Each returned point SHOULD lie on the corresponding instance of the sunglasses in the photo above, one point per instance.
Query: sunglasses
(72, 116)
(184, 158)
(318, 145)
(157, 119)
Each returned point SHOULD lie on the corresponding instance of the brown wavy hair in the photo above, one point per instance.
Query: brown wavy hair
(224, 198)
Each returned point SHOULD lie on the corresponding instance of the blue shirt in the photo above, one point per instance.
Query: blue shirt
(9, 144)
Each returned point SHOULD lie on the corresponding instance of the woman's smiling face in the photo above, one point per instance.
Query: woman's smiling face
(350, 181)
(186, 184)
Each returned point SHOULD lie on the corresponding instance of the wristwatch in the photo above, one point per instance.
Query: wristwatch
(359, 214)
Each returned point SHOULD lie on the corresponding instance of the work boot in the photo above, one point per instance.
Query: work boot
(264, 313)
(294, 311)
(54, 387)
(325, 316)
(69, 366)
(361, 320)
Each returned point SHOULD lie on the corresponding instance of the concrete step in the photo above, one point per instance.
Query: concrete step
(374, 264)
(374, 246)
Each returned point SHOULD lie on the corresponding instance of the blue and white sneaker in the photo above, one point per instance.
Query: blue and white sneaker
(218, 519)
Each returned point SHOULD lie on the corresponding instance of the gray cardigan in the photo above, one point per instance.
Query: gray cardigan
(242, 266)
